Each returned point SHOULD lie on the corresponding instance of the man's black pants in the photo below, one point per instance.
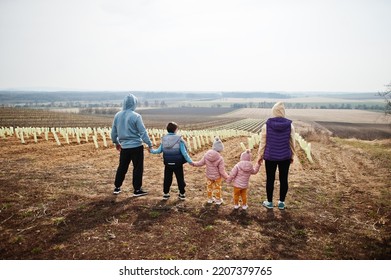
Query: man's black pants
(136, 156)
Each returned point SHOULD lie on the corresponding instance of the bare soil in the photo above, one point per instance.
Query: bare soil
(57, 203)
(362, 131)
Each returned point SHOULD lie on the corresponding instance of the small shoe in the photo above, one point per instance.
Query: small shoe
(166, 196)
(244, 207)
(210, 201)
(236, 206)
(281, 205)
(267, 204)
(219, 201)
(116, 191)
(139, 192)
(182, 196)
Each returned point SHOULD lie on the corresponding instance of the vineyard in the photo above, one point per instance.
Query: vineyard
(56, 201)
(193, 131)
(13, 117)
(195, 139)
(155, 118)
(251, 125)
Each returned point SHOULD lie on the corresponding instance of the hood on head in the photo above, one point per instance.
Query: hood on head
(130, 102)
(212, 156)
(245, 156)
(278, 110)
(245, 166)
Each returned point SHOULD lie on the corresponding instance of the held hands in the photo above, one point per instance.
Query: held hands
(150, 149)
(260, 160)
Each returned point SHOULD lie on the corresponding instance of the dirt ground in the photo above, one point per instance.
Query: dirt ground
(358, 130)
(57, 203)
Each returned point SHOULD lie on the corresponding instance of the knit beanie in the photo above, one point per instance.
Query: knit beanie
(217, 145)
(245, 156)
(278, 110)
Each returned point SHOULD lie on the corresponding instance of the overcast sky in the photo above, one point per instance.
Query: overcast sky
(200, 45)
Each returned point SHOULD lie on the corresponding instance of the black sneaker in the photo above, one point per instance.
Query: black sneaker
(166, 196)
(182, 196)
(140, 192)
(116, 191)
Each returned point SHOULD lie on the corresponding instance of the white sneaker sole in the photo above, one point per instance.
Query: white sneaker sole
(141, 194)
(267, 206)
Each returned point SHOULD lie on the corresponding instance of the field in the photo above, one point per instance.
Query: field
(358, 124)
(314, 115)
(187, 118)
(309, 101)
(56, 202)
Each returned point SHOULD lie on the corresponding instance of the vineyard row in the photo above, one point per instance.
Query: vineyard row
(195, 139)
(251, 125)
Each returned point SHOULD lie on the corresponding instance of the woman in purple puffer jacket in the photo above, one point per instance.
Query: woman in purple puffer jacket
(277, 148)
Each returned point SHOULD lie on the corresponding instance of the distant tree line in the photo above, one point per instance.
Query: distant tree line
(255, 95)
(93, 96)
(97, 102)
(67, 104)
(110, 110)
(98, 111)
(85, 107)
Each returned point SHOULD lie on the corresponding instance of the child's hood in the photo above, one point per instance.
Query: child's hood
(213, 157)
(130, 102)
(245, 166)
(171, 139)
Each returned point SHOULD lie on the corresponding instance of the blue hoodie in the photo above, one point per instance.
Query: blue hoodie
(128, 128)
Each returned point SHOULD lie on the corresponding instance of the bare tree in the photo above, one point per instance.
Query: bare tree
(387, 98)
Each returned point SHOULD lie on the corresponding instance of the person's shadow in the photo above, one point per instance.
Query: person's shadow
(108, 210)
(208, 214)
(90, 216)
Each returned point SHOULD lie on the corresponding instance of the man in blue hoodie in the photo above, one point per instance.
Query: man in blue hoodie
(128, 134)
